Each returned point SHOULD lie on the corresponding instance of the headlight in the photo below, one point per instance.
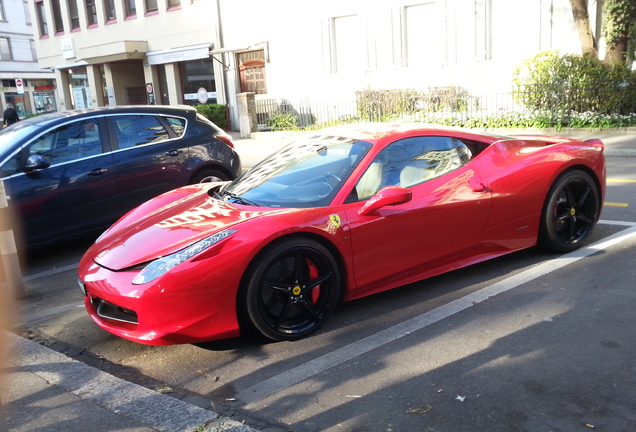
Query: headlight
(160, 266)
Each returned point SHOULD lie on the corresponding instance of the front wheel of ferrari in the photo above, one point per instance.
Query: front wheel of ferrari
(291, 289)
(570, 212)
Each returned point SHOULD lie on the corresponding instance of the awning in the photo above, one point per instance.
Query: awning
(112, 52)
(257, 46)
(174, 55)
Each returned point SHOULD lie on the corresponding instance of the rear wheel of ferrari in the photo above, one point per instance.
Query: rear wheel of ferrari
(570, 212)
(291, 289)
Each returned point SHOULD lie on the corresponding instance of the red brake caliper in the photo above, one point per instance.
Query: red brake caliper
(313, 274)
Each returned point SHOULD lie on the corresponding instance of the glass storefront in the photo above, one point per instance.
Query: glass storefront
(80, 90)
(44, 102)
(21, 103)
(197, 75)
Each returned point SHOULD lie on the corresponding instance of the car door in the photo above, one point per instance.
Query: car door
(150, 157)
(445, 218)
(66, 182)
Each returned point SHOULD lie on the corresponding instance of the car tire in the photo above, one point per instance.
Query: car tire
(291, 289)
(208, 175)
(572, 208)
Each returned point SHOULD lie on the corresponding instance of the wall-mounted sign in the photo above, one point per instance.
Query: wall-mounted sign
(68, 48)
(202, 95)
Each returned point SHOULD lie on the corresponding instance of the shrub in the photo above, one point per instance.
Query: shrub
(574, 83)
(378, 105)
(282, 120)
(216, 113)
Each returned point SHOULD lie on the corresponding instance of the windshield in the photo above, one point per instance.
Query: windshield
(305, 173)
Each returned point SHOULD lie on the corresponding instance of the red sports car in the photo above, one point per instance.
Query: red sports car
(340, 214)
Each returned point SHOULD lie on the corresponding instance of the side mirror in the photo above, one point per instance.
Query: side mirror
(36, 162)
(390, 195)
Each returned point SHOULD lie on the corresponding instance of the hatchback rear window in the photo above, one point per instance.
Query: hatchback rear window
(135, 130)
(176, 124)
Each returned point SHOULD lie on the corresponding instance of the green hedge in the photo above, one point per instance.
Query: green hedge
(216, 113)
(573, 83)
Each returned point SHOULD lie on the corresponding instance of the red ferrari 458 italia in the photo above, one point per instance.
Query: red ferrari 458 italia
(340, 214)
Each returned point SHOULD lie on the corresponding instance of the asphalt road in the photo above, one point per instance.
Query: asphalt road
(527, 342)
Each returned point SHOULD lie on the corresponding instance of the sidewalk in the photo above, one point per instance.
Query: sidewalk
(44, 390)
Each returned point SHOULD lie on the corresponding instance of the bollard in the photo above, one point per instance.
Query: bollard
(8, 248)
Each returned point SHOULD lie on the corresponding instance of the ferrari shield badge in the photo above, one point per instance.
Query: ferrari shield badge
(335, 220)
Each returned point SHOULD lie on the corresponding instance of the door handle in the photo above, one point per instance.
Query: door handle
(98, 171)
(481, 188)
(173, 152)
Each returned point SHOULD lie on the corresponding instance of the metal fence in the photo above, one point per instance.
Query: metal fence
(446, 105)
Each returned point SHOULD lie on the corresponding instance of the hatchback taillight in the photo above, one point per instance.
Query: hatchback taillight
(226, 139)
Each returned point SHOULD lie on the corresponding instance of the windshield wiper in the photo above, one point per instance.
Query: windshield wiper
(236, 198)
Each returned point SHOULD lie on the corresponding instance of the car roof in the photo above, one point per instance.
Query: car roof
(183, 110)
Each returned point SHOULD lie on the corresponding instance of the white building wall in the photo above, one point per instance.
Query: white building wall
(303, 42)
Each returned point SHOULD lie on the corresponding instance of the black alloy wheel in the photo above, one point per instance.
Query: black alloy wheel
(292, 289)
(207, 176)
(570, 212)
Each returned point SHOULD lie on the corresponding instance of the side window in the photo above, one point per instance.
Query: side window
(409, 162)
(10, 166)
(67, 143)
(135, 130)
(176, 124)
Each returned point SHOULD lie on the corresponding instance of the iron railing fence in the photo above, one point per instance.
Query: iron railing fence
(447, 105)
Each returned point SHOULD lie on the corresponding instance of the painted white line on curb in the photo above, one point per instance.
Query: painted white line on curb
(300, 373)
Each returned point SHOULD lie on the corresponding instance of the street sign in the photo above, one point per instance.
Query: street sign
(20, 85)
(202, 95)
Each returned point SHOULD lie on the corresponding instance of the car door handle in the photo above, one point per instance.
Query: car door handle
(174, 152)
(481, 188)
(98, 171)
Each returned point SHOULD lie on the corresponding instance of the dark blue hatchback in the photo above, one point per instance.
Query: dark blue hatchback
(71, 173)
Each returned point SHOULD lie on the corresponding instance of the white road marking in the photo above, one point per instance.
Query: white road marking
(300, 373)
(50, 272)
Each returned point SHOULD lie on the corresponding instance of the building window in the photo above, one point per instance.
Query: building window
(130, 7)
(109, 10)
(151, 6)
(174, 4)
(424, 35)
(2, 17)
(91, 13)
(347, 44)
(73, 14)
(5, 49)
(34, 54)
(27, 12)
(252, 71)
(472, 28)
(57, 16)
(41, 17)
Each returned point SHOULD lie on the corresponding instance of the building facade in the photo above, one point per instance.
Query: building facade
(23, 83)
(114, 52)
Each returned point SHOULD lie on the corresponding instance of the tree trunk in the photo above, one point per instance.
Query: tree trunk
(619, 28)
(582, 22)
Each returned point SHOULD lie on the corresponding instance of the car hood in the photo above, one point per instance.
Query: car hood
(168, 224)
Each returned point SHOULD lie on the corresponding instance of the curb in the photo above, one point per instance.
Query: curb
(156, 410)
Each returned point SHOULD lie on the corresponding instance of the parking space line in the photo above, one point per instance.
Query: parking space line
(300, 373)
(50, 272)
(612, 204)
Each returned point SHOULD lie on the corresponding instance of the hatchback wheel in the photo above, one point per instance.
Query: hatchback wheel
(207, 176)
